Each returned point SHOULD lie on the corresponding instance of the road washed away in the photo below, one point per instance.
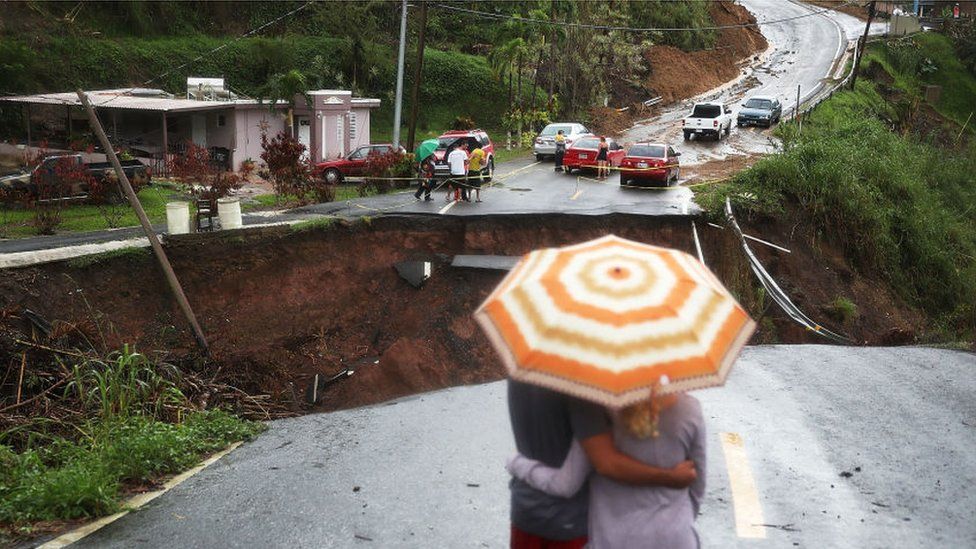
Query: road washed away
(810, 446)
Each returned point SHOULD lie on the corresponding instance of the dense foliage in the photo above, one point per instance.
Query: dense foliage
(889, 184)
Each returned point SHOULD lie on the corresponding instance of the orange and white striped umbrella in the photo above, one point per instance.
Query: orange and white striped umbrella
(608, 319)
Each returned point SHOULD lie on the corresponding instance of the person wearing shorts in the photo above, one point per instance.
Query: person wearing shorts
(458, 162)
(475, 162)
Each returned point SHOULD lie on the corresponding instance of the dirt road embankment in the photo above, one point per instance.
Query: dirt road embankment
(280, 305)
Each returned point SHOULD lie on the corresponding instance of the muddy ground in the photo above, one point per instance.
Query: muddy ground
(280, 305)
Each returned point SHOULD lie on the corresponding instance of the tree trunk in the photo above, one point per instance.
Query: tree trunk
(552, 49)
(518, 90)
(510, 97)
(535, 78)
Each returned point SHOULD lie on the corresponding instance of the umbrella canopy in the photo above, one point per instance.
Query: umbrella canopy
(608, 319)
(426, 149)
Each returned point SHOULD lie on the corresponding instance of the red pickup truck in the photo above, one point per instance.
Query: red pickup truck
(353, 165)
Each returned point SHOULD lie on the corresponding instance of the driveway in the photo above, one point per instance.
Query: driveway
(837, 447)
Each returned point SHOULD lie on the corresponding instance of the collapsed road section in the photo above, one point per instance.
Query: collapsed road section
(282, 305)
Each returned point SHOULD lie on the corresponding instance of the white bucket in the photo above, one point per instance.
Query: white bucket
(229, 211)
(178, 217)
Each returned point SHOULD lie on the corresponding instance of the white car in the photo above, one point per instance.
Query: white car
(708, 119)
(545, 142)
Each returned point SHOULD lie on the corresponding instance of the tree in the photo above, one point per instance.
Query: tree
(286, 87)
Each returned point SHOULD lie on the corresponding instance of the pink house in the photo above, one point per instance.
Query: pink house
(149, 122)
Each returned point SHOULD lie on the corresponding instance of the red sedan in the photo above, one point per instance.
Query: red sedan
(650, 162)
(582, 153)
(353, 165)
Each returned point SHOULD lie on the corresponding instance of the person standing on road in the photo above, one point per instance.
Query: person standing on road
(560, 150)
(458, 162)
(664, 430)
(545, 423)
(602, 162)
(426, 179)
(476, 161)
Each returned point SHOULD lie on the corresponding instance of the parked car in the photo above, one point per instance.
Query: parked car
(475, 139)
(582, 153)
(650, 163)
(708, 119)
(26, 183)
(760, 110)
(545, 142)
(353, 165)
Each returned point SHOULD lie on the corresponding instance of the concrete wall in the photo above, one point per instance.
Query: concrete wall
(359, 136)
(248, 123)
(903, 24)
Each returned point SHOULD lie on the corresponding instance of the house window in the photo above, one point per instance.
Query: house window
(352, 126)
(221, 121)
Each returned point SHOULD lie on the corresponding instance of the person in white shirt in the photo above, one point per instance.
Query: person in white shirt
(458, 162)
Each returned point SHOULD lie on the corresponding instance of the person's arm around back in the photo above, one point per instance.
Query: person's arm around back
(613, 464)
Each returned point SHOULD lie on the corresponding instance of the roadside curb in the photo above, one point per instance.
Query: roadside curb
(134, 503)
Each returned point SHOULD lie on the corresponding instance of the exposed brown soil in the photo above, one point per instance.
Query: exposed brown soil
(856, 9)
(280, 306)
(677, 74)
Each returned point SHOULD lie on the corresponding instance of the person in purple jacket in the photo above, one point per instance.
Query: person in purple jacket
(662, 431)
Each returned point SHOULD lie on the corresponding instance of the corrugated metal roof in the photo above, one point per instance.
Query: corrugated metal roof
(121, 99)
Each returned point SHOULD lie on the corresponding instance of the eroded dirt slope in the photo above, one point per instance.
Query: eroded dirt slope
(280, 306)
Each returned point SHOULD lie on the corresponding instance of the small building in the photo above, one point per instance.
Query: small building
(154, 125)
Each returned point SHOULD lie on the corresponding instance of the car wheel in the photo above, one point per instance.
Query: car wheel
(539, 158)
(332, 176)
(738, 124)
(623, 180)
(687, 135)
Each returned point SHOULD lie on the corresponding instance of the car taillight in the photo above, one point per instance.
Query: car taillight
(683, 122)
(538, 140)
(715, 124)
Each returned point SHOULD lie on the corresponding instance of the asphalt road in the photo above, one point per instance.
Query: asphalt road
(527, 187)
(801, 52)
(847, 447)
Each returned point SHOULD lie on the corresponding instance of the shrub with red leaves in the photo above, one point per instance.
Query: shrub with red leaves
(206, 180)
(284, 159)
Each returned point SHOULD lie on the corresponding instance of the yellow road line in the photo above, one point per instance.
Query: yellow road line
(745, 498)
(133, 503)
(448, 207)
(576, 194)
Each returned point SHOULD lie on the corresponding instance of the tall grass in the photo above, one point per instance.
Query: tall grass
(904, 210)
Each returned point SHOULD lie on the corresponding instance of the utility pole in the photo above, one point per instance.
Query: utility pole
(174, 283)
(417, 74)
(863, 43)
(399, 88)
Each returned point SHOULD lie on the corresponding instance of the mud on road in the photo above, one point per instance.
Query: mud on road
(280, 305)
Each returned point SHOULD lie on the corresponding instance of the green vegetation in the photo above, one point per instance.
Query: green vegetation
(313, 224)
(83, 478)
(131, 254)
(86, 217)
(131, 424)
(876, 174)
(843, 310)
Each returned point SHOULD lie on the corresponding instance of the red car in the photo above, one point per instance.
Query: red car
(650, 162)
(353, 165)
(475, 139)
(582, 153)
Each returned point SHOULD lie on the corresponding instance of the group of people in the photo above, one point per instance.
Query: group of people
(588, 477)
(465, 174)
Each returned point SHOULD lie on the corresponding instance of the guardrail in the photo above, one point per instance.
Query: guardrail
(806, 107)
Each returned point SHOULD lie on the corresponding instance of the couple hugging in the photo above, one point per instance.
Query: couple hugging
(584, 477)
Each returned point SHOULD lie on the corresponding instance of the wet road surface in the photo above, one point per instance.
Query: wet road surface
(801, 51)
(845, 447)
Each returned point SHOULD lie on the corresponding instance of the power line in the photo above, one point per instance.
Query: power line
(546, 22)
(225, 44)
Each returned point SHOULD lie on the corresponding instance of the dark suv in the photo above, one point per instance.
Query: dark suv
(476, 139)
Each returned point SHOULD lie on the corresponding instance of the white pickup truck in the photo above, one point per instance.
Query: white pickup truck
(708, 119)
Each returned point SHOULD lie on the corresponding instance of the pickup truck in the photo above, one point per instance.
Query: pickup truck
(26, 183)
(708, 119)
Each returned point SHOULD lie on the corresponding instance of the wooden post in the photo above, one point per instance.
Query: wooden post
(157, 248)
(863, 44)
(27, 120)
(70, 126)
(165, 162)
(115, 125)
(417, 73)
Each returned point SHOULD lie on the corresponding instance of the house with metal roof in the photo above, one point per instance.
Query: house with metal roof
(154, 125)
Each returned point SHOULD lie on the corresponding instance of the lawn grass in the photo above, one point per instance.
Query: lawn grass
(78, 217)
